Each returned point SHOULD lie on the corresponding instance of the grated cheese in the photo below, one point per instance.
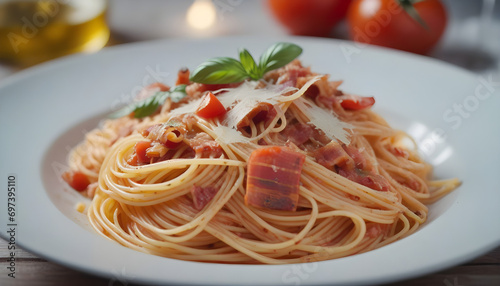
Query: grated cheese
(189, 107)
(301, 91)
(325, 120)
(227, 135)
(245, 98)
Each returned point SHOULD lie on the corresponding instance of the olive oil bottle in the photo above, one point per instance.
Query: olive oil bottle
(35, 31)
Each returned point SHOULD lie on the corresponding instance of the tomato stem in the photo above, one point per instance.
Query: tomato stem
(407, 5)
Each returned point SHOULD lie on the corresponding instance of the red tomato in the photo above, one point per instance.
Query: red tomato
(386, 23)
(182, 76)
(355, 102)
(210, 107)
(309, 17)
(77, 180)
(141, 149)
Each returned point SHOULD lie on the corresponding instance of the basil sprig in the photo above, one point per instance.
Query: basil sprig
(222, 70)
(149, 105)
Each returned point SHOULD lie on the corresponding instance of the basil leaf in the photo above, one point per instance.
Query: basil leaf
(228, 70)
(149, 105)
(178, 93)
(278, 55)
(249, 65)
(219, 70)
(124, 111)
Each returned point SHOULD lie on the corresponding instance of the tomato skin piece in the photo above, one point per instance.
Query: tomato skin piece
(77, 180)
(210, 107)
(385, 23)
(141, 150)
(355, 102)
(309, 17)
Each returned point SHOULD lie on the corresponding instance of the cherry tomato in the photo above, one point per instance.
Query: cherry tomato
(210, 107)
(386, 23)
(309, 17)
(355, 102)
(77, 180)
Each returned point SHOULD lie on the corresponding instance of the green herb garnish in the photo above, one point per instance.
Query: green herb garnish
(218, 70)
(222, 70)
(149, 105)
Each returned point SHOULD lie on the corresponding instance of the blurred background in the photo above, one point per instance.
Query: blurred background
(463, 32)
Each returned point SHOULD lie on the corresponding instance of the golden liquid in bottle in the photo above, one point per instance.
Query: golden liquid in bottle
(35, 31)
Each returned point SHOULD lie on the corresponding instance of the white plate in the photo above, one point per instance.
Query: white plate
(47, 109)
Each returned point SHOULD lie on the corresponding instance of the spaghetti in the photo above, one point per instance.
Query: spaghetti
(187, 193)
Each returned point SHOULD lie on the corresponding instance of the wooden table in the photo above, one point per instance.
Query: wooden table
(33, 270)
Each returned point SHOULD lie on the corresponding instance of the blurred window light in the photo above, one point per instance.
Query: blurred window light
(201, 15)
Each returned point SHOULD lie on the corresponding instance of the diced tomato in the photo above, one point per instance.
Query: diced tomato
(210, 107)
(141, 150)
(273, 178)
(77, 180)
(182, 76)
(133, 161)
(355, 102)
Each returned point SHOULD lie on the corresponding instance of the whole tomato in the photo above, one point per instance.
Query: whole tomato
(386, 23)
(309, 17)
